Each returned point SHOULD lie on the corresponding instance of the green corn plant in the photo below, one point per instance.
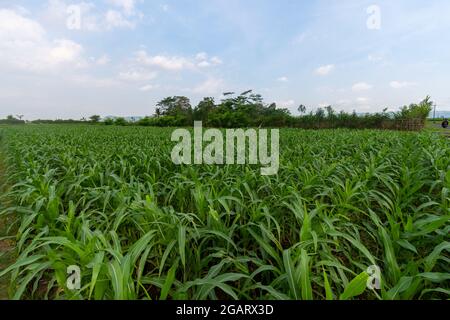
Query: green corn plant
(111, 201)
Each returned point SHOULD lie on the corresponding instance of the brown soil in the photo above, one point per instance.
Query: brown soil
(6, 246)
(6, 259)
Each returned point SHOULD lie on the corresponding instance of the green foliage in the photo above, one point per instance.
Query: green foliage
(417, 111)
(356, 287)
(58, 121)
(203, 109)
(12, 120)
(249, 110)
(175, 106)
(120, 122)
(95, 118)
(109, 121)
(110, 200)
(163, 121)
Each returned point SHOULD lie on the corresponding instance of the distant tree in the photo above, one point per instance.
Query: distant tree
(301, 109)
(178, 108)
(109, 121)
(320, 113)
(249, 110)
(10, 119)
(174, 106)
(417, 111)
(120, 122)
(204, 107)
(246, 92)
(95, 118)
(330, 111)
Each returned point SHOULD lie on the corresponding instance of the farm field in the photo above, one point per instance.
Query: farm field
(110, 200)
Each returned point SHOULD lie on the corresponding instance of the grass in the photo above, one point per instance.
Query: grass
(6, 243)
(435, 126)
(110, 200)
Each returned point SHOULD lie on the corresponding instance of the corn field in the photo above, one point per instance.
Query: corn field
(110, 200)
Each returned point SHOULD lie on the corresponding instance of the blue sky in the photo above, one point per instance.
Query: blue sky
(61, 59)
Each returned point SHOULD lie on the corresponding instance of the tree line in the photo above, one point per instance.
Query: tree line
(13, 120)
(249, 110)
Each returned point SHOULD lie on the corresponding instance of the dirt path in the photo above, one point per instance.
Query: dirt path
(6, 247)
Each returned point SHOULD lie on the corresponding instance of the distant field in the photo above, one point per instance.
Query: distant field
(436, 126)
(110, 200)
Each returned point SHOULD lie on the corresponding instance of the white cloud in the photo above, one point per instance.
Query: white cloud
(286, 103)
(211, 86)
(204, 64)
(361, 86)
(128, 6)
(65, 51)
(343, 102)
(20, 10)
(362, 100)
(325, 70)
(24, 44)
(90, 81)
(165, 7)
(115, 19)
(17, 29)
(122, 15)
(148, 87)
(57, 11)
(216, 61)
(164, 62)
(103, 60)
(283, 79)
(201, 56)
(401, 84)
(363, 104)
(212, 62)
(137, 75)
(176, 63)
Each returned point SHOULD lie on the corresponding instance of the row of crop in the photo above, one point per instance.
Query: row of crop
(111, 201)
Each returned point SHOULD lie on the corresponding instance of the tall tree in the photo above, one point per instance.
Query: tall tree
(301, 109)
(175, 106)
(203, 109)
(95, 118)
